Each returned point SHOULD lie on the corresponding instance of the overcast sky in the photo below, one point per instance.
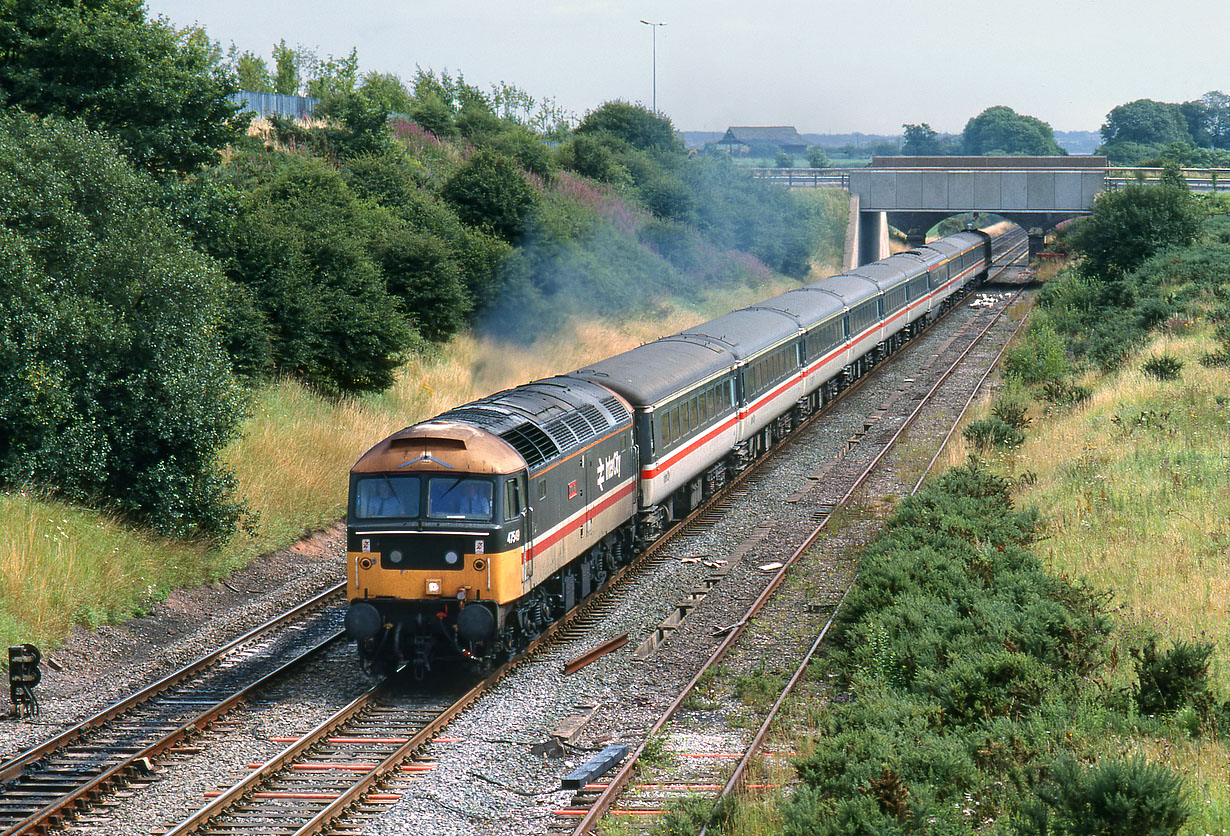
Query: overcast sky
(824, 67)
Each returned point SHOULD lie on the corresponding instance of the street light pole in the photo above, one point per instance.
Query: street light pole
(654, 27)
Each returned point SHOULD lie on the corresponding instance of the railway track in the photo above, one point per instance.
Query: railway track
(381, 736)
(717, 762)
(48, 783)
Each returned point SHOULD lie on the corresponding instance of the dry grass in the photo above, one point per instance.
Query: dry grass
(61, 565)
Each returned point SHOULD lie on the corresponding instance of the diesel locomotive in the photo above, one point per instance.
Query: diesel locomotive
(469, 533)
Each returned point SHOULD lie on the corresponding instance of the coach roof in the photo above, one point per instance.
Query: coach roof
(652, 372)
(806, 305)
(746, 332)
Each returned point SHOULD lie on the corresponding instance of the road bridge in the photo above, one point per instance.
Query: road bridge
(914, 193)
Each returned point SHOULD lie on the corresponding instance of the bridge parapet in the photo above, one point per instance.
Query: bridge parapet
(982, 189)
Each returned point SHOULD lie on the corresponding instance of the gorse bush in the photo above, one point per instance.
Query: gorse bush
(1062, 393)
(1012, 411)
(1168, 680)
(993, 432)
(1110, 798)
(1163, 367)
(968, 671)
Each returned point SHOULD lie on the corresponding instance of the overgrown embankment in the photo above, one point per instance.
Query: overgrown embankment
(1038, 640)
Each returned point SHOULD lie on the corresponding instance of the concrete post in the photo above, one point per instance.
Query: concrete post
(872, 237)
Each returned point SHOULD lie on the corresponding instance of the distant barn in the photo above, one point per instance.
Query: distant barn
(764, 140)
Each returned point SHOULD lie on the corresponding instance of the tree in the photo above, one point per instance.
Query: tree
(1146, 122)
(161, 93)
(387, 91)
(1217, 118)
(1001, 130)
(490, 191)
(634, 125)
(1129, 225)
(286, 78)
(784, 159)
(305, 246)
(816, 157)
(114, 387)
(335, 76)
(920, 141)
(253, 73)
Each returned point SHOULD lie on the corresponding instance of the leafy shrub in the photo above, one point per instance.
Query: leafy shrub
(489, 191)
(115, 388)
(992, 432)
(305, 247)
(1130, 225)
(1163, 367)
(1168, 680)
(635, 125)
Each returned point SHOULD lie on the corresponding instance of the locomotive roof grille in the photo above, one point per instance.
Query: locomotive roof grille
(477, 415)
(583, 429)
(563, 434)
(597, 421)
(533, 444)
(616, 409)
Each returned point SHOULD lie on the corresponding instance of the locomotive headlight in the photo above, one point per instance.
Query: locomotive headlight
(433, 587)
(451, 558)
(395, 556)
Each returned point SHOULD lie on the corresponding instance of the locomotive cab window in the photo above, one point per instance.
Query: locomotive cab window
(382, 497)
(512, 499)
(459, 498)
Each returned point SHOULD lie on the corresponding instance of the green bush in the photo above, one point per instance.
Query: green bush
(489, 191)
(1130, 225)
(634, 125)
(1168, 680)
(1039, 357)
(114, 387)
(1111, 798)
(305, 247)
(1163, 367)
(159, 92)
(988, 433)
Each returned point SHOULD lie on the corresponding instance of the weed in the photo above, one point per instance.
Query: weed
(655, 753)
(758, 689)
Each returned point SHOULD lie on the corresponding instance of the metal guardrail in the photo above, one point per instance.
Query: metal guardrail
(1198, 179)
(799, 178)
